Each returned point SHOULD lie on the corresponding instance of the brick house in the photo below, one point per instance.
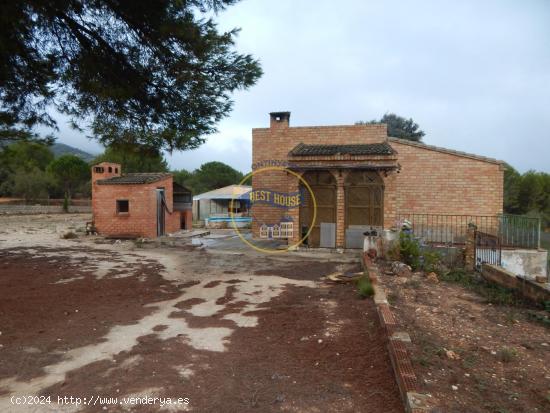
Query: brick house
(138, 204)
(362, 178)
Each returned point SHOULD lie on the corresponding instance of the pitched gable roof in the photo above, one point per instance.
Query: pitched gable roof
(445, 150)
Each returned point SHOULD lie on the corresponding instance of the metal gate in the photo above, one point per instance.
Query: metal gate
(364, 205)
(364, 199)
(323, 186)
(488, 249)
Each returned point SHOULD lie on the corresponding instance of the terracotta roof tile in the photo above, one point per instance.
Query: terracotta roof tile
(134, 178)
(329, 150)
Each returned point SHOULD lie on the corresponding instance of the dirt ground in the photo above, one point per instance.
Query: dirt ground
(222, 331)
(471, 355)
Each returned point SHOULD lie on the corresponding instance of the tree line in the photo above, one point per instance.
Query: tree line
(527, 194)
(29, 170)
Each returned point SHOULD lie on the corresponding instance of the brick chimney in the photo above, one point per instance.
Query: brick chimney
(100, 171)
(279, 120)
(105, 170)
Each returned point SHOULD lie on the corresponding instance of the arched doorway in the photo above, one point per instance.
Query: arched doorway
(364, 197)
(323, 186)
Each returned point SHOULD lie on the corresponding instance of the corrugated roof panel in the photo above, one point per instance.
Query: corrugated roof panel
(228, 192)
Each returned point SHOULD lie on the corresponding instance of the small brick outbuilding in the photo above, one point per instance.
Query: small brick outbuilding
(138, 204)
(362, 178)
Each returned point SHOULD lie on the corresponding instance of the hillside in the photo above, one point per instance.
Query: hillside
(59, 149)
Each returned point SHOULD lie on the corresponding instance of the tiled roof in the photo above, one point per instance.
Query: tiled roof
(134, 178)
(329, 150)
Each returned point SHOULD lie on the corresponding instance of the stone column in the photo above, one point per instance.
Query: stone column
(470, 248)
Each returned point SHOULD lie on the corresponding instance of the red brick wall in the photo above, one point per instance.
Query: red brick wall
(116, 170)
(141, 219)
(430, 181)
(436, 182)
(274, 143)
(188, 217)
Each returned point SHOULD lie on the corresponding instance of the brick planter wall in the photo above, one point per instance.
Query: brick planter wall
(529, 289)
(405, 377)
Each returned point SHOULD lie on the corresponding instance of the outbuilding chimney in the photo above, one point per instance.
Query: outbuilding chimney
(279, 120)
(105, 170)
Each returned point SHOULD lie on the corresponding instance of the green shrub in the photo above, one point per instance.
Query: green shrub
(409, 250)
(411, 253)
(541, 318)
(394, 253)
(506, 354)
(458, 276)
(392, 297)
(66, 203)
(364, 287)
(31, 185)
(493, 293)
(69, 235)
(431, 261)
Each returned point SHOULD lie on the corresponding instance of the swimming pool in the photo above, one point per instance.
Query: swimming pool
(239, 221)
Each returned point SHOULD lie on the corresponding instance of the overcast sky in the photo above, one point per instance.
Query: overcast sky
(475, 75)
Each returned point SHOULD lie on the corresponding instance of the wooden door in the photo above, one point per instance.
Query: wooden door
(161, 206)
(323, 186)
(364, 197)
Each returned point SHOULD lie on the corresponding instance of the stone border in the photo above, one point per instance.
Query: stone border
(397, 344)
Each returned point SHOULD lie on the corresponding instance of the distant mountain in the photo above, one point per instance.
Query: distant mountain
(59, 149)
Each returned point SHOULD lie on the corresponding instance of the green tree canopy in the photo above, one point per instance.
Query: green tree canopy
(531, 194)
(70, 171)
(512, 184)
(22, 158)
(134, 158)
(399, 127)
(183, 177)
(527, 194)
(158, 73)
(210, 175)
(26, 155)
(32, 185)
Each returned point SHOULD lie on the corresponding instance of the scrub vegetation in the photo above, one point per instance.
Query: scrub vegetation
(364, 287)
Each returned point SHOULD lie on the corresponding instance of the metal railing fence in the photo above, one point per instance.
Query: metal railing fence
(513, 231)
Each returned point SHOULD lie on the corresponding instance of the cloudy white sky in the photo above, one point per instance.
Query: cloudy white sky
(475, 75)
